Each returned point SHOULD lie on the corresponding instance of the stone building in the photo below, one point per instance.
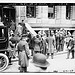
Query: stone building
(41, 15)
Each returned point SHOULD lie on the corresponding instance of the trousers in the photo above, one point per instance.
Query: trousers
(23, 69)
(69, 51)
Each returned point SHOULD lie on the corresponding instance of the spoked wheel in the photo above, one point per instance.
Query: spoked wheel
(3, 62)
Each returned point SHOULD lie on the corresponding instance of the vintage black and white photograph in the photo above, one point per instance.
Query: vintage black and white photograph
(37, 37)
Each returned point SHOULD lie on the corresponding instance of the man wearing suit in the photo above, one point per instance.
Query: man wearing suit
(24, 27)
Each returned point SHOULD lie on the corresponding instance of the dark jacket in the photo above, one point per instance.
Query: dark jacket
(24, 28)
(71, 44)
(44, 46)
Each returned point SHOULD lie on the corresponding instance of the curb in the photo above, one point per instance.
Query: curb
(56, 53)
(61, 53)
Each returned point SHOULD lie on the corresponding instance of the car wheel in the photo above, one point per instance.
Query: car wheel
(3, 62)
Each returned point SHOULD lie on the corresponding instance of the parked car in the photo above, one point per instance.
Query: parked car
(4, 44)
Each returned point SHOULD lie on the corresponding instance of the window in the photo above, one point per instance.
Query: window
(1, 33)
(73, 12)
(31, 11)
(51, 13)
(68, 12)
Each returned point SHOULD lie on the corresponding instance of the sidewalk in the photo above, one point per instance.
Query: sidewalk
(61, 52)
(57, 65)
(56, 53)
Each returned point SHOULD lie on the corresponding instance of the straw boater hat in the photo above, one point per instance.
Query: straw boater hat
(24, 35)
(39, 60)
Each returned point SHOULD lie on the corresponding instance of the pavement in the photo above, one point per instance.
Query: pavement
(57, 65)
(56, 53)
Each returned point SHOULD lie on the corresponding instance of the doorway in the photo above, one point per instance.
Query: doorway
(8, 14)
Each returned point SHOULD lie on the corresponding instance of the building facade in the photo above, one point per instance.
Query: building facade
(45, 15)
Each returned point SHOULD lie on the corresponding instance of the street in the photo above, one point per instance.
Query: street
(58, 64)
(42, 27)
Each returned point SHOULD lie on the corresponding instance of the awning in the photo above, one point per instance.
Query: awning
(8, 7)
(41, 28)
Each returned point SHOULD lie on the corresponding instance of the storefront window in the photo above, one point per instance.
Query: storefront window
(51, 13)
(68, 12)
(31, 11)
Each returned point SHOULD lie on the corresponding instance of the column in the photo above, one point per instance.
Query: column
(44, 14)
(17, 14)
(63, 14)
(57, 15)
(38, 14)
(73, 13)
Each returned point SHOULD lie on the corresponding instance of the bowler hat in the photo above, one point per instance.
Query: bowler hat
(39, 60)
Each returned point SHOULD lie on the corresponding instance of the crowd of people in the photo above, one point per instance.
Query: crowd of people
(41, 46)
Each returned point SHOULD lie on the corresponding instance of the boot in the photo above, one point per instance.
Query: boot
(72, 54)
(47, 55)
(51, 55)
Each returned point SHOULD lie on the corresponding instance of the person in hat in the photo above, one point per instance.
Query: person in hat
(61, 39)
(37, 43)
(24, 31)
(19, 29)
(23, 51)
(39, 63)
(12, 43)
(57, 40)
(51, 44)
(70, 46)
(12, 26)
(11, 48)
(43, 44)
